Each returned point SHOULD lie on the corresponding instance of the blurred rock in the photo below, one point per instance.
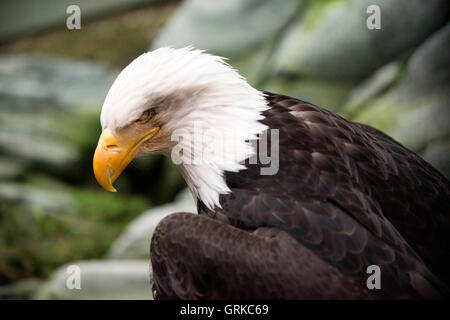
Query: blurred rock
(428, 69)
(253, 65)
(332, 41)
(379, 82)
(327, 94)
(134, 243)
(101, 280)
(29, 139)
(36, 199)
(438, 155)
(23, 289)
(36, 82)
(243, 31)
(416, 111)
(9, 168)
(41, 99)
(427, 121)
(18, 17)
(230, 28)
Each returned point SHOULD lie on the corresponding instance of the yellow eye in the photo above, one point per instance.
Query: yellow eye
(147, 115)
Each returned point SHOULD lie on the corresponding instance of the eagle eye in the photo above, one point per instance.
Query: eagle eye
(146, 116)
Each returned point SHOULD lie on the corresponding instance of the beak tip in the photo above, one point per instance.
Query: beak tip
(107, 185)
(104, 180)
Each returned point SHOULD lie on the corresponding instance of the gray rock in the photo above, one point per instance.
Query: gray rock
(100, 280)
(37, 82)
(379, 82)
(230, 28)
(327, 94)
(19, 17)
(10, 168)
(438, 155)
(428, 121)
(27, 138)
(253, 65)
(22, 289)
(428, 70)
(35, 199)
(416, 111)
(134, 243)
(332, 40)
(42, 101)
(243, 31)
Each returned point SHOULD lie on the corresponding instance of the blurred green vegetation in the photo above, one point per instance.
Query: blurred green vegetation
(114, 40)
(33, 243)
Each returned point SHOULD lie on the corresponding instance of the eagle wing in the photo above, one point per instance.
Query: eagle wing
(197, 257)
(345, 197)
(349, 193)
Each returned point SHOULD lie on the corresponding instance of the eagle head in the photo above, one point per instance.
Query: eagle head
(157, 104)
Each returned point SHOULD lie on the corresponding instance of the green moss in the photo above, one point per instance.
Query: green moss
(316, 10)
(34, 242)
(114, 40)
(383, 114)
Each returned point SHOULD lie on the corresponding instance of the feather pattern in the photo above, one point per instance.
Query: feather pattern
(346, 196)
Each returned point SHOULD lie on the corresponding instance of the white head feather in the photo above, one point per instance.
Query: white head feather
(188, 87)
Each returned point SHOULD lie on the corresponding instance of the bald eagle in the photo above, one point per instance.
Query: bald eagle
(344, 202)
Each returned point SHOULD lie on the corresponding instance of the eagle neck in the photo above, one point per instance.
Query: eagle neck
(218, 139)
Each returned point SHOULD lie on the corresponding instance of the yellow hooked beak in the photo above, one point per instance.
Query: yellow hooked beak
(113, 154)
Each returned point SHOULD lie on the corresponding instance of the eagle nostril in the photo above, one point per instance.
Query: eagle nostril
(112, 147)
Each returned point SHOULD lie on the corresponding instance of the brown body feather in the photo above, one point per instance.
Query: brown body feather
(346, 196)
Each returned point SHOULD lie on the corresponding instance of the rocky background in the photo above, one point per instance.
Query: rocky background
(53, 82)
